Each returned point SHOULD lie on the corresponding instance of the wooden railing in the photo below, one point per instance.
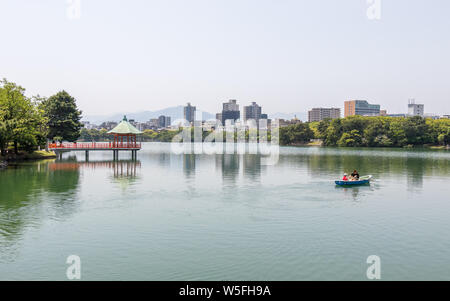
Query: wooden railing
(93, 145)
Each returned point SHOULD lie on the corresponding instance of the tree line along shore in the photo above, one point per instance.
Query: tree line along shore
(28, 123)
(354, 131)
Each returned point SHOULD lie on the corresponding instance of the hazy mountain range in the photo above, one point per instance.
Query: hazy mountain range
(143, 116)
(174, 113)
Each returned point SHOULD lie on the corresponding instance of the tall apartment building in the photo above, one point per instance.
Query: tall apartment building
(230, 111)
(415, 109)
(189, 112)
(319, 114)
(360, 107)
(252, 111)
(153, 123)
(164, 121)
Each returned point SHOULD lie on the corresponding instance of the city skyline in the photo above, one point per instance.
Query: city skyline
(231, 111)
(146, 55)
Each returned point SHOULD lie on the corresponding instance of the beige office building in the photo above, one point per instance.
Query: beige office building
(319, 114)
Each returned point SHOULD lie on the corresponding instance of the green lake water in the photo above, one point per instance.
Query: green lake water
(227, 217)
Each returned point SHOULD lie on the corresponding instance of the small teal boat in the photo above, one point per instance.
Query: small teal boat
(361, 181)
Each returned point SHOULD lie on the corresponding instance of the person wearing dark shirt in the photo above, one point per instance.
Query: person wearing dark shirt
(355, 175)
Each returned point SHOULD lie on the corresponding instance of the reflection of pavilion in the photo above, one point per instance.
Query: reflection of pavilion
(125, 169)
(121, 169)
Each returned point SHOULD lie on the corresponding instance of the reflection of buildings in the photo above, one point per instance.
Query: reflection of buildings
(252, 166)
(164, 159)
(189, 164)
(229, 165)
(415, 168)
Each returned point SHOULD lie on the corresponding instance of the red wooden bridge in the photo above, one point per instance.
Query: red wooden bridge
(60, 148)
(94, 146)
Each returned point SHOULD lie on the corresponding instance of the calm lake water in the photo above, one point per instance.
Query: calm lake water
(227, 217)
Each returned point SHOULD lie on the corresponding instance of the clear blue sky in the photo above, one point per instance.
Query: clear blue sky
(287, 55)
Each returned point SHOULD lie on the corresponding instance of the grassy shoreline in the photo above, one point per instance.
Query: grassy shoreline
(24, 156)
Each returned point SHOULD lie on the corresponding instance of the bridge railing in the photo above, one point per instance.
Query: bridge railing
(93, 145)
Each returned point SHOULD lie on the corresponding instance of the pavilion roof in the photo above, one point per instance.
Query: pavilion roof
(124, 127)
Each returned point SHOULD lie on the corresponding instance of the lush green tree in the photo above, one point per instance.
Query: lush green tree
(439, 130)
(397, 132)
(297, 133)
(333, 133)
(322, 128)
(353, 138)
(356, 122)
(63, 117)
(376, 132)
(416, 130)
(21, 121)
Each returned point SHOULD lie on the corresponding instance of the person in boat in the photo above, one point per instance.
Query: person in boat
(355, 175)
(345, 178)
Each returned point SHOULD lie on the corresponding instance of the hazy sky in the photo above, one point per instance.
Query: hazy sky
(287, 55)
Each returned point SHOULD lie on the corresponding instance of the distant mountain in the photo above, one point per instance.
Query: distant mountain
(173, 112)
(176, 113)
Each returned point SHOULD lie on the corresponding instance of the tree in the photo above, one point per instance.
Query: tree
(297, 133)
(322, 127)
(416, 130)
(375, 134)
(21, 122)
(63, 117)
(397, 132)
(350, 139)
(333, 133)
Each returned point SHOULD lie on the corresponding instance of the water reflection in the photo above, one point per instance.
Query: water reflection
(189, 165)
(120, 169)
(252, 167)
(31, 191)
(411, 166)
(164, 159)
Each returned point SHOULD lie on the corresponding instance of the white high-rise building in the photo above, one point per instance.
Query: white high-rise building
(415, 109)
